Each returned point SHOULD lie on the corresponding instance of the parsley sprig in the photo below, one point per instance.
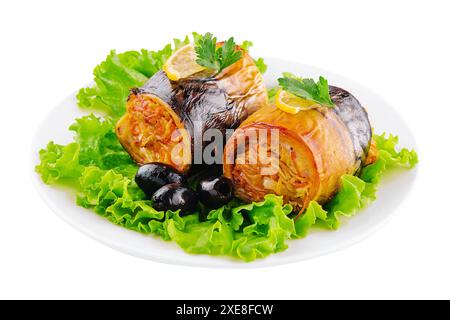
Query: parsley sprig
(216, 58)
(307, 88)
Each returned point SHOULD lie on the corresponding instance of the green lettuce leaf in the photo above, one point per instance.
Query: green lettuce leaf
(116, 75)
(246, 45)
(214, 238)
(228, 215)
(387, 146)
(357, 192)
(266, 230)
(261, 65)
(351, 198)
(96, 144)
(100, 146)
(59, 163)
(304, 223)
(269, 229)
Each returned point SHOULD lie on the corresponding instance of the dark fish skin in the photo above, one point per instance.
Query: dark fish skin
(196, 101)
(356, 119)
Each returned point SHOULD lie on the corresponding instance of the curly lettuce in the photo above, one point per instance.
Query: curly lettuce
(95, 144)
(96, 166)
(118, 73)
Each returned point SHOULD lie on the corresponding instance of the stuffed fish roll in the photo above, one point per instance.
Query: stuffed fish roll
(299, 156)
(165, 118)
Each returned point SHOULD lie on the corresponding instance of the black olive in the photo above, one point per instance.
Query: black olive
(152, 176)
(174, 197)
(214, 192)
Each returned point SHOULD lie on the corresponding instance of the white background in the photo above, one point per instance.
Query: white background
(400, 49)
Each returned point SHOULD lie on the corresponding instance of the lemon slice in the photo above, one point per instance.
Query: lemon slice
(291, 103)
(181, 64)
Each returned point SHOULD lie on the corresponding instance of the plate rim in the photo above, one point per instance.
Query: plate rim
(222, 262)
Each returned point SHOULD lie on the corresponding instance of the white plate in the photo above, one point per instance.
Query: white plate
(393, 189)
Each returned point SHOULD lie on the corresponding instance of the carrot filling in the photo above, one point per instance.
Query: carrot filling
(152, 132)
(281, 169)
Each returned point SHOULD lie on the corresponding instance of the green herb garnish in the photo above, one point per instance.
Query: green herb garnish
(216, 58)
(307, 88)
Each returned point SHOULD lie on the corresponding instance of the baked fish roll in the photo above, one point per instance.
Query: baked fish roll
(165, 118)
(302, 156)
